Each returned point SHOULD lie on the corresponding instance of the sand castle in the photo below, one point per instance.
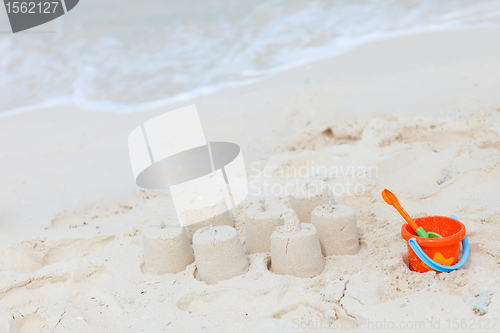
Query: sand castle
(217, 209)
(307, 196)
(166, 248)
(260, 222)
(295, 248)
(219, 253)
(337, 229)
(222, 219)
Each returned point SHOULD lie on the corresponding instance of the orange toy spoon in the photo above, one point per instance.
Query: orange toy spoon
(392, 200)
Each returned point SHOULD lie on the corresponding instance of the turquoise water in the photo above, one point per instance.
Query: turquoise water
(121, 56)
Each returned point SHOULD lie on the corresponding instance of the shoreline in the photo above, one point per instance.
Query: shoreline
(205, 91)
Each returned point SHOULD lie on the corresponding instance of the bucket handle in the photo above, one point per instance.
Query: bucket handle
(434, 265)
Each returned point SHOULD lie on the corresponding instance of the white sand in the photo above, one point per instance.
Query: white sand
(337, 229)
(219, 254)
(409, 107)
(166, 249)
(307, 196)
(295, 248)
(260, 221)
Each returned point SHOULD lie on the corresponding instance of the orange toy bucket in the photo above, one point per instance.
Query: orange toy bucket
(443, 251)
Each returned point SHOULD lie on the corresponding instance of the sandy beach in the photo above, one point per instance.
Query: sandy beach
(417, 114)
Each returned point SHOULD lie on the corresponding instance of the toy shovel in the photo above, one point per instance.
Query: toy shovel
(392, 200)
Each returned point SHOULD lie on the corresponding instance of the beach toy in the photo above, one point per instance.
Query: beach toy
(439, 254)
(307, 196)
(295, 248)
(166, 248)
(219, 253)
(260, 221)
(392, 200)
(337, 229)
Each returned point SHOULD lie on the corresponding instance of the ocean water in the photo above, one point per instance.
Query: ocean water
(122, 55)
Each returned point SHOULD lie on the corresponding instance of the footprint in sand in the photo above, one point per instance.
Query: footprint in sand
(24, 323)
(32, 255)
(221, 303)
(262, 303)
(98, 306)
(51, 317)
